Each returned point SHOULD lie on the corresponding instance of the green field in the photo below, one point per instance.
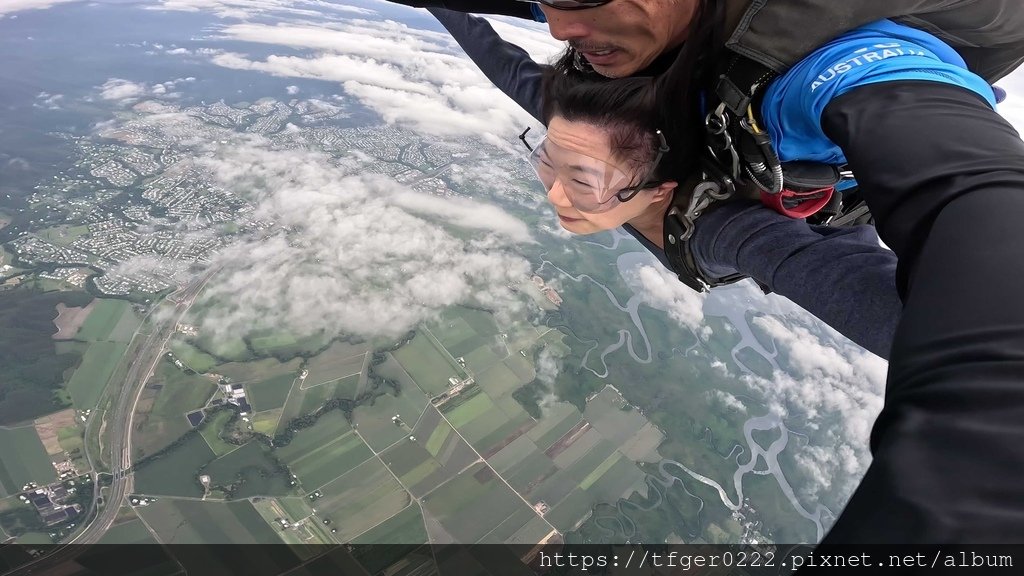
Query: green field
(428, 366)
(499, 380)
(161, 420)
(192, 357)
(62, 235)
(437, 439)
(258, 370)
(91, 377)
(469, 410)
(406, 527)
(175, 473)
(271, 393)
(324, 451)
(104, 318)
(306, 401)
(22, 460)
(341, 360)
(194, 522)
(473, 504)
(131, 532)
(374, 421)
(247, 472)
(361, 499)
(210, 430)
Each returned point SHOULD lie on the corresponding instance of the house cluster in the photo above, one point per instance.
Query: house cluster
(49, 503)
(236, 395)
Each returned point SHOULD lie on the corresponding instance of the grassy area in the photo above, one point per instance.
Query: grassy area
(406, 527)
(22, 460)
(361, 499)
(249, 471)
(470, 410)
(374, 421)
(102, 321)
(472, 504)
(91, 378)
(168, 396)
(306, 401)
(176, 472)
(341, 360)
(192, 357)
(210, 430)
(62, 235)
(429, 367)
(271, 393)
(194, 522)
(324, 451)
(131, 532)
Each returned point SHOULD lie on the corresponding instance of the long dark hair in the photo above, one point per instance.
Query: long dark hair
(633, 109)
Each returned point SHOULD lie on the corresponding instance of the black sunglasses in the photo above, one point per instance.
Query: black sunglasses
(569, 4)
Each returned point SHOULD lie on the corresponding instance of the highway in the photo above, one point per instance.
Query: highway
(119, 426)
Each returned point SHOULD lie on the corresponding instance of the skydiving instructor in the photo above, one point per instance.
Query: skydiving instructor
(943, 175)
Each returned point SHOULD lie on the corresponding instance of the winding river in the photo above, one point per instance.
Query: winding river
(730, 302)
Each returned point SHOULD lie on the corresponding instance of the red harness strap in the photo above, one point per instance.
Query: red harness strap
(798, 204)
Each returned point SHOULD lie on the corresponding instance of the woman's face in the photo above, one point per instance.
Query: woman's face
(578, 143)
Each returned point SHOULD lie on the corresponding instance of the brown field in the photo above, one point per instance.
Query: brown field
(509, 439)
(565, 441)
(69, 320)
(48, 426)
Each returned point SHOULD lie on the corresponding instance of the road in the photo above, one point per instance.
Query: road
(119, 424)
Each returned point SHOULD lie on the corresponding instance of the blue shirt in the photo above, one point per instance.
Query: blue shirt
(879, 52)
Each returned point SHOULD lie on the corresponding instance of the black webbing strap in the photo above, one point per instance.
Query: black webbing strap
(739, 81)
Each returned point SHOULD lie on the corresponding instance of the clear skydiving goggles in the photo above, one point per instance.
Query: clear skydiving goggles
(591, 184)
(569, 4)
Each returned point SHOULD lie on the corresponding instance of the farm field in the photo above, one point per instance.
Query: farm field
(88, 381)
(191, 356)
(360, 500)
(324, 451)
(301, 402)
(130, 532)
(341, 360)
(428, 366)
(210, 431)
(470, 506)
(374, 421)
(177, 521)
(23, 459)
(110, 321)
(271, 393)
(160, 414)
(406, 527)
(249, 471)
(175, 473)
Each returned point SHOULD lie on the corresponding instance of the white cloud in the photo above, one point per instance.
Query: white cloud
(293, 90)
(244, 9)
(660, 289)
(120, 89)
(11, 6)
(349, 252)
(416, 78)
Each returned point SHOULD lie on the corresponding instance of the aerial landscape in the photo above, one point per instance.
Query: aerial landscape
(249, 295)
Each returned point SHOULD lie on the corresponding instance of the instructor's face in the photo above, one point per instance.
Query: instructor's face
(623, 36)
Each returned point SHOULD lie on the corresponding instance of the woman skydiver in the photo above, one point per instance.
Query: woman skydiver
(840, 275)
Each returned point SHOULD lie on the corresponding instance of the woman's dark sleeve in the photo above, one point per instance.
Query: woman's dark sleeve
(506, 65)
(944, 176)
(503, 7)
(840, 275)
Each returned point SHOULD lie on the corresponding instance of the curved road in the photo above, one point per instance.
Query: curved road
(119, 421)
